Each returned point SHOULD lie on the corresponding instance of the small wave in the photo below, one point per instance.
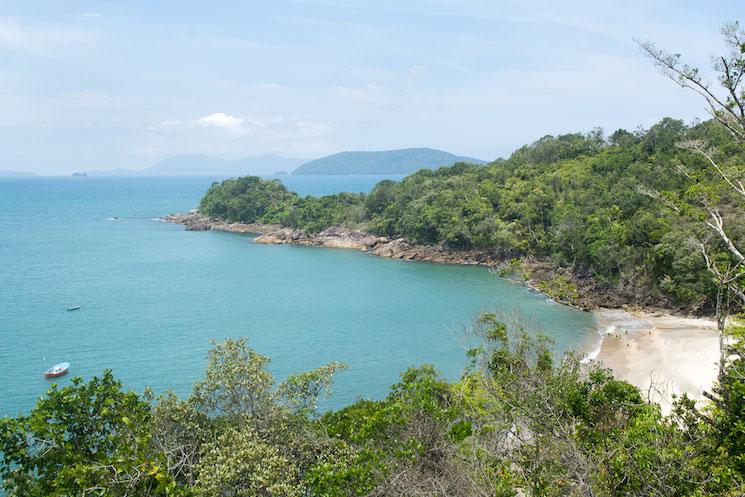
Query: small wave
(114, 218)
(595, 352)
(158, 219)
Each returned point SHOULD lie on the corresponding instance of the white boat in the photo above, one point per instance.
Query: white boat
(57, 370)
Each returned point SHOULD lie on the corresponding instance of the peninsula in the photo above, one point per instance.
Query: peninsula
(580, 215)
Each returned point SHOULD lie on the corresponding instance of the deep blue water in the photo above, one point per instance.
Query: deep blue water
(154, 295)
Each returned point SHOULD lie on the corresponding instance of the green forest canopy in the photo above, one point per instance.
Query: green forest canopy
(591, 203)
(520, 421)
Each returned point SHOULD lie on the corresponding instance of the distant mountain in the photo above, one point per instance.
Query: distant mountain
(201, 165)
(401, 161)
(14, 174)
(206, 165)
(188, 165)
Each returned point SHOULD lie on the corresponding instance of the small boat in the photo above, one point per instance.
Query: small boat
(57, 370)
(73, 308)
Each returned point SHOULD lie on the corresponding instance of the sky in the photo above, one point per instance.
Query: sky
(110, 84)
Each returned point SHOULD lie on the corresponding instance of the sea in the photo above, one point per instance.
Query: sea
(153, 296)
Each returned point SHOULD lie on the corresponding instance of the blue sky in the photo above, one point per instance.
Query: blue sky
(100, 85)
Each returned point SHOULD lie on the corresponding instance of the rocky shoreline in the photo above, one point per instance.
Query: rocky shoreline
(338, 237)
(654, 346)
(589, 293)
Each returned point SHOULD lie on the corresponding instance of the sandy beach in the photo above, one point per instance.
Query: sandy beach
(661, 354)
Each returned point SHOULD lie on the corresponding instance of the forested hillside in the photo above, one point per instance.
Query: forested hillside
(596, 205)
(401, 161)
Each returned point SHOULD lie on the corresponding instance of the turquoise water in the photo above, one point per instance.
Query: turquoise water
(154, 295)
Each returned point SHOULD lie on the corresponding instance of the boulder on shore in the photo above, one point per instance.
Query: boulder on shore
(192, 221)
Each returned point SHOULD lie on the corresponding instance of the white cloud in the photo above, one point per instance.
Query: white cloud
(221, 120)
(230, 135)
(235, 125)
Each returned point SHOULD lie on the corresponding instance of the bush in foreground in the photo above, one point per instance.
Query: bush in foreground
(519, 421)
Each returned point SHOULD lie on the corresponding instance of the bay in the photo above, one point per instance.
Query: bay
(153, 296)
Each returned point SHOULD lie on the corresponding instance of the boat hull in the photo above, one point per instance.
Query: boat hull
(57, 370)
(55, 375)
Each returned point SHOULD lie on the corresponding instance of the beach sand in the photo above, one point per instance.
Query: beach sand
(662, 355)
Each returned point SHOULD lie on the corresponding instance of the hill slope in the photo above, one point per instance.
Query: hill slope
(401, 161)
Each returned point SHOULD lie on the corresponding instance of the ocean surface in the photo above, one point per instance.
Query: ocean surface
(153, 296)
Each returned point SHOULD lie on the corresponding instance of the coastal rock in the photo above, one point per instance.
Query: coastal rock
(395, 249)
(198, 225)
(337, 237)
(284, 235)
(192, 221)
(590, 292)
(333, 231)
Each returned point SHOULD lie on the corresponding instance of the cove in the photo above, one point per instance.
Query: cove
(152, 295)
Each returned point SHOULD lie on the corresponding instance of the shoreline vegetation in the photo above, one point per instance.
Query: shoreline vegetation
(561, 285)
(660, 351)
(382, 246)
(592, 221)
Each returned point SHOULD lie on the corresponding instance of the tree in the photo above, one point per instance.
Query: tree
(238, 463)
(237, 410)
(88, 438)
(717, 189)
(726, 104)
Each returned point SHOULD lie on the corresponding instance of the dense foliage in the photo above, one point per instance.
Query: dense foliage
(520, 421)
(588, 203)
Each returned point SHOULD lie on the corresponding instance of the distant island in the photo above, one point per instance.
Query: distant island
(400, 161)
(385, 162)
(206, 165)
(79, 175)
(14, 174)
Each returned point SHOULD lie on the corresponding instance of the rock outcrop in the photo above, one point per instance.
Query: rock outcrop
(590, 293)
(333, 237)
(194, 221)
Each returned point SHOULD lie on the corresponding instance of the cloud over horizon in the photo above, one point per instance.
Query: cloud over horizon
(118, 84)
